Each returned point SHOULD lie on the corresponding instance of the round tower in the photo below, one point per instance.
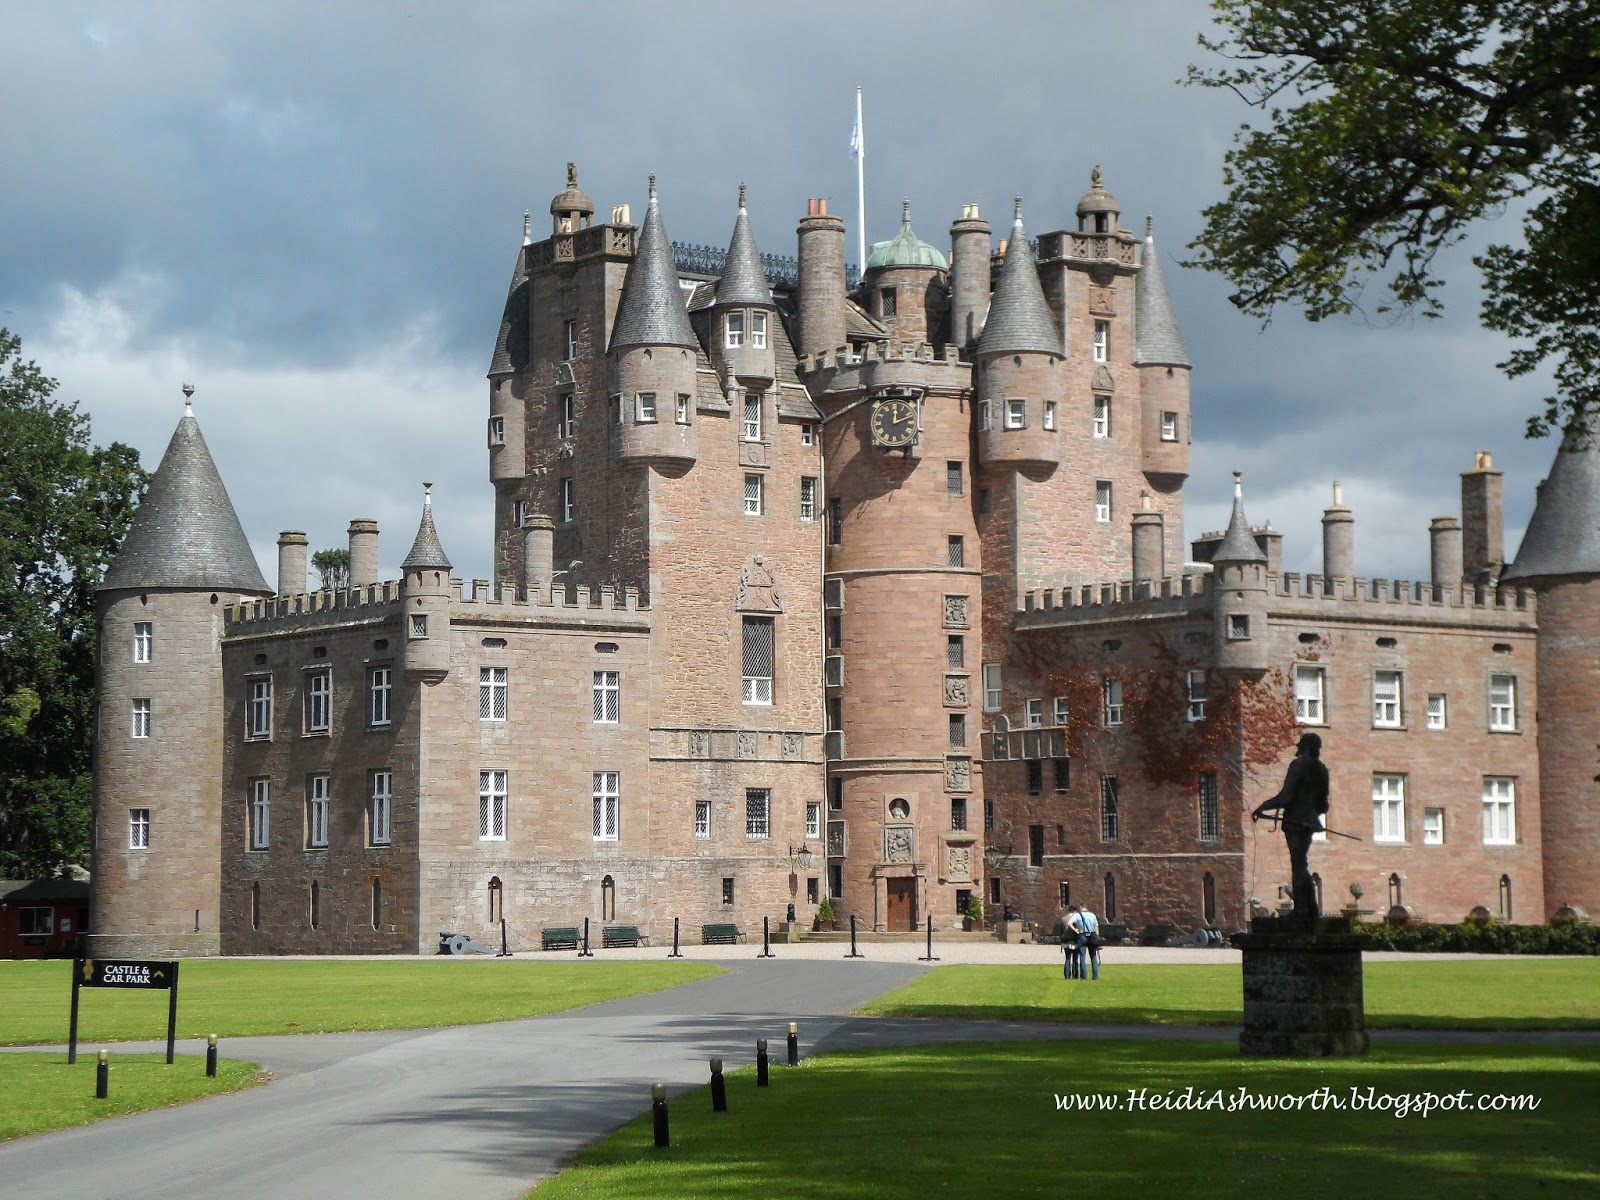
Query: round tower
(903, 284)
(746, 318)
(1163, 363)
(157, 859)
(969, 277)
(821, 288)
(425, 594)
(1239, 594)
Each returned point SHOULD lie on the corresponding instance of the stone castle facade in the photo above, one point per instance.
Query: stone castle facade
(809, 587)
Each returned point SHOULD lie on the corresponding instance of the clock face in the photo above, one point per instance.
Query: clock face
(894, 422)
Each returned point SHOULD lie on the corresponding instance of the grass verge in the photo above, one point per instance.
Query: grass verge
(982, 1120)
(234, 998)
(1494, 995)
(40, 1091)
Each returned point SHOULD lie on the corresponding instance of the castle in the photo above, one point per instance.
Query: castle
(812, 587)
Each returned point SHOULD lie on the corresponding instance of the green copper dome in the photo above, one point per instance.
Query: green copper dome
(905, 249)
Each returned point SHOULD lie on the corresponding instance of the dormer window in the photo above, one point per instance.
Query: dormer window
(735, 337)
(1102, 341)
(758, 330)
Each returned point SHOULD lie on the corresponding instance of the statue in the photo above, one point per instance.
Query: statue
(1299, 808)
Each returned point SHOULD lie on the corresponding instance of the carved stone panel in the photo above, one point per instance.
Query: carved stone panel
(793, 746)
(958, 774)
(699, 743)
(747, 743)
(838, 842)
(1102, 381)
(758, 590)
(955, 691)
(1101, 301)
(959, 866)
(955, 610)
(899, 844)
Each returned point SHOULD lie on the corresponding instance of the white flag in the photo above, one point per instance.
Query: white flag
(855, 137)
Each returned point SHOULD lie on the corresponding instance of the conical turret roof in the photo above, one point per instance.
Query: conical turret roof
(743, 279)
(511, 347)
(426, 552)
(1563, 536)
(1019, 318)
(652, 312)
(185, 533)
(1238, 544)
(1157, 340)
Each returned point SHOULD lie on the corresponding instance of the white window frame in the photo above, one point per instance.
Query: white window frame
(1195, 694)
(1438, 710)
(1102, 341)
(1050, 415)
(493, 805)
(380, 816)
(1502, 704)
(569, 412)
(814, 819)
(1388, 808)
(140, 727)
(991, 687)
(569, 333)
(1169, 426)
(1032, 713)
(569, 501)
(1059, 710)
(258, 710)
(381, 696)
(702, 818)
(983, 414)
(808, 434)
(682, 412)
(319, 701)
(645, 407)
(1016, 414)
(758, 331)
(138, 829)
(260, 814)
(757, 813)
(752, 422)
(1433, 827)
(494, 694)
(143, 641)
(1111, 694)
(317, 813)
(497, 431)
(1388, 695)
(757, 689)
(607, 697)
(808, 498)
(752, 495)
(733, 331)
(1100, 424)
(1102, 500)
(607, 812)
(1499, 810)
(1310, 702)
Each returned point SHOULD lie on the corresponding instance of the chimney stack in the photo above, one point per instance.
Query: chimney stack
(292, 545)
(538, 555)
(821, 283)
(1444, 552)
(1483, 549)
(970, 269)
(363, 552)
(1338, 541)
(1147, 545)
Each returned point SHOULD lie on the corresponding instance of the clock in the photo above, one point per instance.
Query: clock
(894, 422)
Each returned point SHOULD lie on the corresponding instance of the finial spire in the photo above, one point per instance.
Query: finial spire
(1149, 225)
(427, 484)
(905, 210)
(188, 395)
(527, 227)
(741, 195)
(572, 174)
(1095, 177)
(1016, 210)
(1238, 485)
(652, 187)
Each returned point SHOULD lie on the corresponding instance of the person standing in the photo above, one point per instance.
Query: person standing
(1070, 969)
(1089, 943)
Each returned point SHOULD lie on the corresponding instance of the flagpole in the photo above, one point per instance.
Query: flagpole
(861, 187)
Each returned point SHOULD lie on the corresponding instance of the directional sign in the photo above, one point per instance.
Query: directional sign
(124, 973)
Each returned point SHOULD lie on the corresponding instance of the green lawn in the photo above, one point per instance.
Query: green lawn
(1498, 994)
(982, 1121)
(40, 1091)
(234, 998)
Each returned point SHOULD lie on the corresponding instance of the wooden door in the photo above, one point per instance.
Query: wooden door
(902, 906)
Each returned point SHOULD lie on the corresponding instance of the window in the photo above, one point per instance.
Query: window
(646, 407)
(569, 335)
(1433, 827)
(1059, 710)
(808, 498)
(727, 889)
(1210, 815)
(1101, 426)
(757, 812)
(752, 495)
(1436, 710)
(1169, 427)
(1102, 500)
(317, 813)
(380, 814)
(958, 813)
(260, 814)
(752, 417)
(835, 626)
(1063, 774)
(607, 697)
(1309, 686)
(1102, 341)
(994, 889)
(1388, 808)
(1002, 738)
(813, 818)
(1050, 414)
(492, 693)
(319, 701)
(569, 501)
(260, 708)
(835, 522)
(956, 551)
(36, 922)
(808, 434)
(683, 409)
(1036, 845)
(1503, 703)
(143, 640)
(1110, 828)
(497, 431)
(138, 829)
(1016, 414)
(955, 651)
(988, 815)
(607, 800)
(1033, 713)
(1065, 894)
(958, 729)
(568, 415)
(983, 414)
(255, 906)
(702, 818)
(1196, 687)
(758, 330)
(835, 714)
(1035, 776)
(1386, 699)
(491, 806)
(991, 687)
(381, 692)
(1499, 811)
(141, 719)
(1113, 702)
(953, 482)
(419, 625)
(890, 300)
(757, 655)
(377, 903)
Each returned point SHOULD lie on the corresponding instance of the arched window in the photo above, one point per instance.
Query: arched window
(497, 909)
(1111, 897)
(255, 906)
(1208, 897)
(1396, 897)
(608, 899)
(314, 905)
(1505, 897)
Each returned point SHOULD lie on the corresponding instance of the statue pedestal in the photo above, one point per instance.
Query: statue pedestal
(1302, 988)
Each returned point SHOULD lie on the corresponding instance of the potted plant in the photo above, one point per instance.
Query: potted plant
(974, 915)
(825, 916)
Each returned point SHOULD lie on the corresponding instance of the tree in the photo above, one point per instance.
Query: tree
(64, 508)
(1397, 125)
(333, 569)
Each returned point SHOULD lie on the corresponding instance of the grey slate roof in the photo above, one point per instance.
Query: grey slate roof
(1157, 340)
(1238, 544)
(1019, 318)
(426, 552)
(651, 312)
(743, 281)
(1563, 536)
(511, 349)
(185, 533)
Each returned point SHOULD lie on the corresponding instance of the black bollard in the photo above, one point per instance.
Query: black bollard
(761, 1062)
(766, 939)
(102, 1076)
(930, 956)
(676, 953)
(658, 1113)
(794, 1044)
(505, 949)
(586, 952)
(854, 953)
(719, 1087)
(211, 1057)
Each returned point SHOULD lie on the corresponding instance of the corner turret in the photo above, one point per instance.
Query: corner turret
(512, 351)
(425, 595)
(903, 284)
(1163, 362)
(1239, 590)
(745, 324)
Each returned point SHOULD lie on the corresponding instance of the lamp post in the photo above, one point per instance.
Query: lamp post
(801, 857)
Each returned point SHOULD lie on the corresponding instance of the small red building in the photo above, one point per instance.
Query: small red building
(42, 918)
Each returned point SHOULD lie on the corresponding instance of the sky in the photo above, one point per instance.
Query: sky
(311, 209)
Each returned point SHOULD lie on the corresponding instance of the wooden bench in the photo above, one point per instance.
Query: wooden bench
(559, 938)
(1156, 935)
(613, 937)
(1113, 933)
(720, 935)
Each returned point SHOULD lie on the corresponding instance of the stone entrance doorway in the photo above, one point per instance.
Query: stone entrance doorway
(901, 910)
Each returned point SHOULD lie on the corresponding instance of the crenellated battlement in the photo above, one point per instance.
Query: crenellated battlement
(1169, 596)
(883, 365)
(1414, 597)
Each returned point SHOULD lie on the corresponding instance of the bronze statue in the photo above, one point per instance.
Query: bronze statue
(1299, 808)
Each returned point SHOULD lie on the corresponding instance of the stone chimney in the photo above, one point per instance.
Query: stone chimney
(1444, 552)
(821, 283)
(363, 552)
(1338, 540)
(969, 276)
(292, 545)
(1147, 544)
(1483, 550)
(538, 555)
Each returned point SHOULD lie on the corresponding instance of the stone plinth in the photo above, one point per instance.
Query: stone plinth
(1302, 988)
